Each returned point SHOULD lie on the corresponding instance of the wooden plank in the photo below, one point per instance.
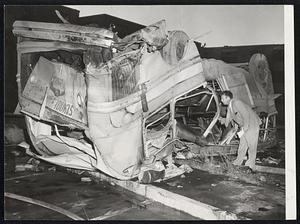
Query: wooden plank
(188, 205)
(25, 176)
(173, 200)
(110, 214)
(64, 27)
(268, 169)
(64, 37)
(34, 46)
(43, 204)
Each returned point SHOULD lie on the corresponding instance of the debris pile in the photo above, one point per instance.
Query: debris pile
(220, 162)
(159, 172)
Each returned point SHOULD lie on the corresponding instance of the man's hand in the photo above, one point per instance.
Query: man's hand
(240, 133)
(222, 120)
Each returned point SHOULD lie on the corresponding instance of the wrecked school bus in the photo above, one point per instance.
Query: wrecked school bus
(95, 102)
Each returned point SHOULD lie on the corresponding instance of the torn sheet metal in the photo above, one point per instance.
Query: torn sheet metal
(59, 89)
(153, 35)
(253, 87)
(229, 77)
(87, 95)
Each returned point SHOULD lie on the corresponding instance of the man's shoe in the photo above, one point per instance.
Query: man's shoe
(250, 171)
(235, 163)
(246, 169)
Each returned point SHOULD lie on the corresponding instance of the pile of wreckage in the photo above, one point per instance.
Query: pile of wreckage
(126, 107)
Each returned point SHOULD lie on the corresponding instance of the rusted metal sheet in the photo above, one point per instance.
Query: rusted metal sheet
(64, 32)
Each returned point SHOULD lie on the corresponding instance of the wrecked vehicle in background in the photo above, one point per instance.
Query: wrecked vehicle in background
(96, 102)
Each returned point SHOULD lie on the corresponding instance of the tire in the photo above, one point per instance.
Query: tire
(175, 49)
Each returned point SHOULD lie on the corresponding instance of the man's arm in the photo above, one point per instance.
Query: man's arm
(225, 120)
(244, 112)
(222, 120)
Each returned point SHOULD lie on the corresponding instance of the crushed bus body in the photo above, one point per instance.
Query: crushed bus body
(96, 102)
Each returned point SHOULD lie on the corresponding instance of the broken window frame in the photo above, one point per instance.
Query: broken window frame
(172, 112)
(71, 123)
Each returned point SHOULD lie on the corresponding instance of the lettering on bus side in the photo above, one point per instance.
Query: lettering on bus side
(64, 108)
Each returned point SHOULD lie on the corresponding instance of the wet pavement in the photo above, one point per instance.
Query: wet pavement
(247, 200)
(85, 199)
(89, 199)
(256, 196)
(274, 156)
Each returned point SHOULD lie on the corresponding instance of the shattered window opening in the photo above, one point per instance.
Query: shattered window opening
(124, 78)
(53, 87)
(157, 131)
(29, 60)
(194, 112)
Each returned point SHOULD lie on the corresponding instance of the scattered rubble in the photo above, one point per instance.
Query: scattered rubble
(271, 160)
(262, 179)
(186, 168)
(180, 155)
(258, 161)
(225, 168)
(86, 179)
(52, 169)
(23, 167)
